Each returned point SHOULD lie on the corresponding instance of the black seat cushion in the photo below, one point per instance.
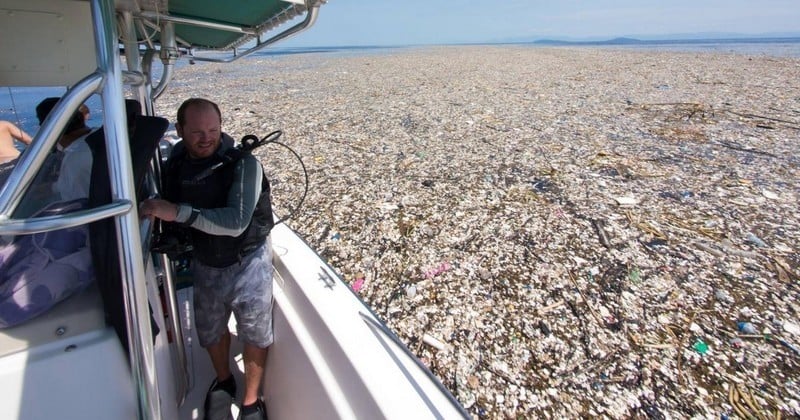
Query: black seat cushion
(103, 235)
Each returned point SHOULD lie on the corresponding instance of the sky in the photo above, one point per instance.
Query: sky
(412, 22)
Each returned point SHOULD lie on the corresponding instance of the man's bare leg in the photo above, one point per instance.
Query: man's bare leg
(220, 353)
(255, 359)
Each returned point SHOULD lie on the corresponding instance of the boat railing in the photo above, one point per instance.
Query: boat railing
(139, 74)
(379, 327)
(50, 223)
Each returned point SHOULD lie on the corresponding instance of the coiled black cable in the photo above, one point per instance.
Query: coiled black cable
(251, 142)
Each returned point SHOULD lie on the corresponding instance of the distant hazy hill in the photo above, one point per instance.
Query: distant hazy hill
(668, 40)
(615, 41)
(646, 39)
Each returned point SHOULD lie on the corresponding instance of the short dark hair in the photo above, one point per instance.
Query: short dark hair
(133, 109)
(46, 106)
(195, 102)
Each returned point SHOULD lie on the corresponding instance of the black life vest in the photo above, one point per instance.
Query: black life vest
(185, 184)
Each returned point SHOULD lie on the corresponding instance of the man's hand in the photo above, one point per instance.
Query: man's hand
(161, 209)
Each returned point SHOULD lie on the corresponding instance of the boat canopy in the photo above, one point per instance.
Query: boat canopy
(239, 21)
(210, 25)
(58, 48)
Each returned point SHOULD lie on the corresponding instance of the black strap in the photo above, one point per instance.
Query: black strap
(192, 217)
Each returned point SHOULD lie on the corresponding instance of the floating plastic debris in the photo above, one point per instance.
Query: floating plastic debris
(755, 240)
(433, 342)
(626, 201)
(358, 284)
(737, 343)
(723, 295)
(635, 276)
(441, 268)
(791, 328)
(790, 346)
(700, 347)
(769, 194)
(746, 328)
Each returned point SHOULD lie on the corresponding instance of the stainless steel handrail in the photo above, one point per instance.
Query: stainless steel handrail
(78, 218)
(161, 16)
(163, 269)
(171, 299)
(168, 54)
(141, 65)
(22, 175)
(142, 358)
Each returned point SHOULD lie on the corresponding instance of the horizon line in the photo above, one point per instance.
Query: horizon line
(589, 40)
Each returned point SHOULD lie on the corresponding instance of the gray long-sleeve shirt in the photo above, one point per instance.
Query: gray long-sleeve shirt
(234, 218)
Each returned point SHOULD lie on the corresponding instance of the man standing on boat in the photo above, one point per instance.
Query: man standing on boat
(221, 195)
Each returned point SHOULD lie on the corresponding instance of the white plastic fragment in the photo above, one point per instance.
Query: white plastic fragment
(769, 194)
(626, 201)
(791, 328)
(433, 342)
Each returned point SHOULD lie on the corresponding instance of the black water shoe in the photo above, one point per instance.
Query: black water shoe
(219, 398)
(255, 411)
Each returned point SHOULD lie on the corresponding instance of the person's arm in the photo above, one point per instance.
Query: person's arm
(16, 132)
(234, 218)
(230, 220)
(22, 136)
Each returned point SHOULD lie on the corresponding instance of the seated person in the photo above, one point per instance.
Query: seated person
(8, 152)
(75, 182)
(39, 270)
(75, 170)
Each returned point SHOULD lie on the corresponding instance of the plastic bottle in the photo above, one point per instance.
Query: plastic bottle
(747, 328)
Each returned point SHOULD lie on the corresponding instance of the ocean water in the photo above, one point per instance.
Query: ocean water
(18, 104)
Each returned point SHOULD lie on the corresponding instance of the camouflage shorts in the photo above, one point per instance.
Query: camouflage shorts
(243, 288)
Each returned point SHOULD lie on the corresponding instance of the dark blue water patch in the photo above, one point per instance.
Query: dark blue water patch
(295, 51)
(331, 50)
(767, 46)
(746, 48)
(18, 105)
